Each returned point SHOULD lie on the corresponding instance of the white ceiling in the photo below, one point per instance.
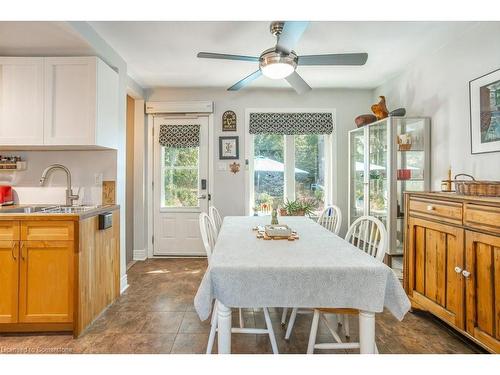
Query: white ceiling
(164, 53)
(41, 39)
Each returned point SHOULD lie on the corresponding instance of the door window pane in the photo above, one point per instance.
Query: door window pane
(269, 170)
(310, 169)
(358, 175)
(180, 177)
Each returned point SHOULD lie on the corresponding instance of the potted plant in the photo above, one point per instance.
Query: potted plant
(297, 208)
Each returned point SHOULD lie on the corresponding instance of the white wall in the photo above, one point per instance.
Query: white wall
(437, 85)
(83, 165)
(229, 189)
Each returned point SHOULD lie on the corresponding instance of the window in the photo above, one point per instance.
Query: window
(301, 157)
(268, 162)
(310, 169)
(180, 177)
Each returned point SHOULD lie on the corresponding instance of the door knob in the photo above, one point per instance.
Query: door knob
(203, 196)
(466, 273)
(458, 269)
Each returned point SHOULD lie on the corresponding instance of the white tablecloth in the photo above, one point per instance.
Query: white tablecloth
(318, 270)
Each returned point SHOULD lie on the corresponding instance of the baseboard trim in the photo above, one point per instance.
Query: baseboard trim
(140, 254)
(123, 283)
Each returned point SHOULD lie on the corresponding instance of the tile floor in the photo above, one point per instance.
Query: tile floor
(156, 315)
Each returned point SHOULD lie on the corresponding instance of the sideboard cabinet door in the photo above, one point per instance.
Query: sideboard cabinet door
(483, 288)
(436, 259)
(21, 100)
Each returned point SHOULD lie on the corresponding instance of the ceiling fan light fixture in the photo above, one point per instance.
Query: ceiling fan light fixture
(276, 66)
(277, 70)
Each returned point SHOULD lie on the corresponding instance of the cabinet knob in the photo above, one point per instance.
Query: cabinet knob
(466, 273)
(430, 207)
(458, 269)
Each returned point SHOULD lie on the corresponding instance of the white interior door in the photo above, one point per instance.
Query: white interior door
(180, 190)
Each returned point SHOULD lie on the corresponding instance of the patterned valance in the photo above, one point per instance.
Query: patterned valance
(180, 136)
(291, 123)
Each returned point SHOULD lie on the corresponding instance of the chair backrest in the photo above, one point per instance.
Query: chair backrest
(216, 218)
(369, 235)
(208, 234)
(331, 218)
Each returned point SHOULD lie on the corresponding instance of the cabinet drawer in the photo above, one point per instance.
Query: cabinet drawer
(435, 209)
(9, 230)
(482, 217)
(47, 231)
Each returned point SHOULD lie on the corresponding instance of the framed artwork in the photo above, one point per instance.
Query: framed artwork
(229, 121)
(229, 148)
(484, 93)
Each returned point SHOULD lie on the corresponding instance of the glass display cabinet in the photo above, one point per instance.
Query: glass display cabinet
(387, 158)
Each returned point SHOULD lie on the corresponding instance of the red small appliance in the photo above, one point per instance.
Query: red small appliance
(6, 196)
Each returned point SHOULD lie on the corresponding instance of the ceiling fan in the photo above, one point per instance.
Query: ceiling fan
(281, 61)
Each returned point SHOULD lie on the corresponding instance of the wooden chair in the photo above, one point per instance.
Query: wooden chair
(209, 237)
(331, 219)
(369, 235)
(216, 218)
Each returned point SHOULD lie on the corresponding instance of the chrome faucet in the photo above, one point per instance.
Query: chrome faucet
(70, 197)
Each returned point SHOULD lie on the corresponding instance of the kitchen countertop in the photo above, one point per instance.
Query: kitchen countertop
(76, 216)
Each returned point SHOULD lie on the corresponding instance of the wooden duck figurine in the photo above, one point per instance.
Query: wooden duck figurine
(380, 110)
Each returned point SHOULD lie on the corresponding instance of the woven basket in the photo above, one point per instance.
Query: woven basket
(478, 188)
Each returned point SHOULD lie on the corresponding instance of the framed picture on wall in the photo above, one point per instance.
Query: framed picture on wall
(484, 93)
(229, 148)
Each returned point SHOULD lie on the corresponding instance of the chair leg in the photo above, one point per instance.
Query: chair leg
(283, 316)
(240, 314)
(313, 333)
(291, 322)
(346, 326)
(213, 329)
(270, 331)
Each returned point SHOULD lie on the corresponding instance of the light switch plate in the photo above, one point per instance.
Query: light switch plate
(221, 166)
(98, 177)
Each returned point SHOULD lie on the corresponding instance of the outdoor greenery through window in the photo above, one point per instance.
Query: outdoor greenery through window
(270, 166)
(310, 169)
(180, 177)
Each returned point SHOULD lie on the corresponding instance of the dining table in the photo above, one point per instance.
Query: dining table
(317, 270)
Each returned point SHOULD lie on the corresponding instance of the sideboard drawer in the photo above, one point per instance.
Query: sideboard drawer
(436, 209)
(481, 217)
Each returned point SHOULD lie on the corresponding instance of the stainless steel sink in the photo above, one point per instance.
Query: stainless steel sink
(67, 209)
(52, 209)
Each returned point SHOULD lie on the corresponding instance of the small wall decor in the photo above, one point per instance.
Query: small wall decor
(380, 110)
(229, 121)
(229, 148)
(234, 167)
(484, 95)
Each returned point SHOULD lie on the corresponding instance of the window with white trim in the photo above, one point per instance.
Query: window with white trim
(290, 159)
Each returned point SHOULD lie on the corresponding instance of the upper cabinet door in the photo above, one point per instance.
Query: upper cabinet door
(21, 101)
(70, 100)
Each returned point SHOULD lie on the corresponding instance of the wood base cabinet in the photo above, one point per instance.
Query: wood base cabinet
(57, 273)
(452, 262)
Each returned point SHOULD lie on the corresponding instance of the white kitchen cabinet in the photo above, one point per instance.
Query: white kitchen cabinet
(58, 101)
(81, 102)
(21, 100)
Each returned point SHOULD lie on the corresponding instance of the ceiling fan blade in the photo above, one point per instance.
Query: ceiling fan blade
(297, 83)
(245, 81)
(334, 59)
(292, 31)
(224, 56)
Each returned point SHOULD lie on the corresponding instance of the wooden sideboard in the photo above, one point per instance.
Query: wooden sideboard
(452, 262)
